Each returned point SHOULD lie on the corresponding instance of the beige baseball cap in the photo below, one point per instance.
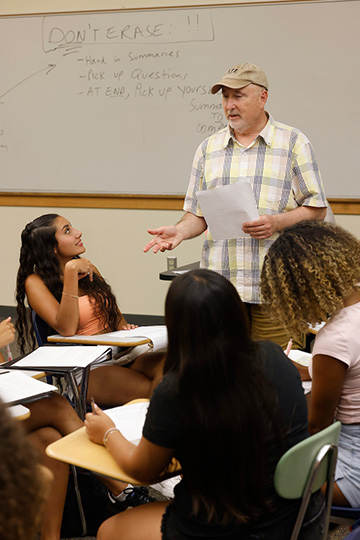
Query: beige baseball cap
(241, 75)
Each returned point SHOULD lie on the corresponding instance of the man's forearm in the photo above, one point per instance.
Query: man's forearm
(298, 214)
(191, 226)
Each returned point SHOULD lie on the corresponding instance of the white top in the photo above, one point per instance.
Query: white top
(340, 339)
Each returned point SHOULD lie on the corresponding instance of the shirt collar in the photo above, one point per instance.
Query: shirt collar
(266, 133)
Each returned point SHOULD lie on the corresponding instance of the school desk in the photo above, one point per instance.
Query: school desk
(77, 449)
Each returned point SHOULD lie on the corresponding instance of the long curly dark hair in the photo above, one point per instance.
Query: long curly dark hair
(21, 494)
(229, 406)
(308, 272)
(37, 255)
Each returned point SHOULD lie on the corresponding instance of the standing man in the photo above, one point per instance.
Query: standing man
(279, 162)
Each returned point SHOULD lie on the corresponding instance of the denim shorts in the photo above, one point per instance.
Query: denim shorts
(347, 474)
(312, 528)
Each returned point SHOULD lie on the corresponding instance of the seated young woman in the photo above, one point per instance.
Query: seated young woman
(311, 274)
(227, 408)
(50, 419)
(71, 296)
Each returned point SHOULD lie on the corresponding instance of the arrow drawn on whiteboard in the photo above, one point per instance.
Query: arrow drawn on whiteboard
(47, 69)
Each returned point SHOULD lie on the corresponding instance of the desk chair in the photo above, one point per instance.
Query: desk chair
(42, 331)
(304, 468)
(41, 328)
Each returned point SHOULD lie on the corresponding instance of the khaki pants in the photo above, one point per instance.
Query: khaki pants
(263, 327)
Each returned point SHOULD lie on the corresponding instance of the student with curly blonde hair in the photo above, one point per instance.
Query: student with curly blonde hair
(311, 274)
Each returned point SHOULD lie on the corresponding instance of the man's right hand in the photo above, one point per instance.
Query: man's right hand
(166, 238)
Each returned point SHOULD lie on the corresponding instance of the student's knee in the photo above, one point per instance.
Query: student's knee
(106, 530)
(45, 436)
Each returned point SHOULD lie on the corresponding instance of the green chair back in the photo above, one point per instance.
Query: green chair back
(305, 467)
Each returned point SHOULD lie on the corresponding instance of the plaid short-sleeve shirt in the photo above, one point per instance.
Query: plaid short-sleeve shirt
(282, 169)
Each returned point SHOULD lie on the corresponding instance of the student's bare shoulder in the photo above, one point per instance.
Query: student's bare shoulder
(34, 282)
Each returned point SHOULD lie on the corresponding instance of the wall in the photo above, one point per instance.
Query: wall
(114, 238)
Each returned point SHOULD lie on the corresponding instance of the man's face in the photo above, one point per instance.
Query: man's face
(244, 107)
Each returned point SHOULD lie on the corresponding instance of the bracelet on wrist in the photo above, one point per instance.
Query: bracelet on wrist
(71, 295)
(106, 435)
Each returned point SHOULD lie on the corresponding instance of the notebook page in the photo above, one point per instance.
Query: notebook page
(16, 386)
(130, 419)
(59, 356)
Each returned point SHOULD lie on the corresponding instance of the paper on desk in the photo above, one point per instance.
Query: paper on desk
(226, 208)
(300, 357)
(157, 334)
(130, 420)
(71, 356)
(16, 387)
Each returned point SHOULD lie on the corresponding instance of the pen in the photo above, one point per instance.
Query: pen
(9, 355)
(288, 348)
(92, 400)
(3, 372)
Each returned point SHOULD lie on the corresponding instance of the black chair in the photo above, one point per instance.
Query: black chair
(41, 328)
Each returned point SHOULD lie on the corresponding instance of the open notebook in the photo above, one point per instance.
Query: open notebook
(302, 358)
(54, 358)
(130, 420)
(16, 387)
(156, 336)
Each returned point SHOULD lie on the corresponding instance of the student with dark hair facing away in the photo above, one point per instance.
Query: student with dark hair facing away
(71, 296)
(227, 408)
(311, 274)
(24, 483)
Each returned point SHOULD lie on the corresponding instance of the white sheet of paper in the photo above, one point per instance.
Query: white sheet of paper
(15, 386)
(300, 357)
(157, 334)
(130, 420)
(72, 356)
(226, 208)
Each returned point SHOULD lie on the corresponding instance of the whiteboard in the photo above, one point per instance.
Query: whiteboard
(118, 102)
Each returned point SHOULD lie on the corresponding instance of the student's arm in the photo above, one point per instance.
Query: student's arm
(7, 335)
(145, 462)
(7, 332)
(267, 225)
(169, 237)
(63, 316)
(328, 376)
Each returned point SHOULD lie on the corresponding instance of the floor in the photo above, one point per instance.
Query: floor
(339, 533)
